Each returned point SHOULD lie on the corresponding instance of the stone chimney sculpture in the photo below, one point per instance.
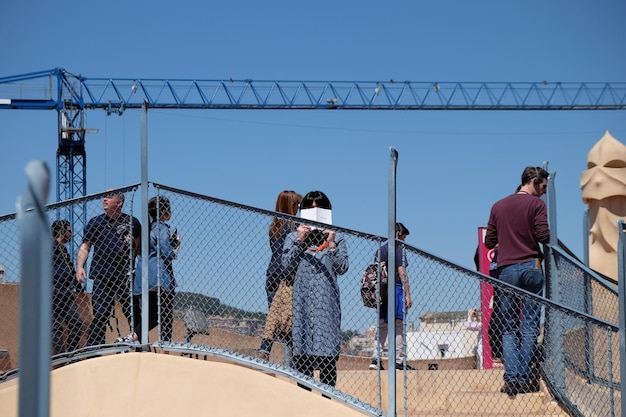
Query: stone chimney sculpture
(603, 187)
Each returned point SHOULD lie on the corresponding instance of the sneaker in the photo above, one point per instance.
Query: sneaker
(374, 365)
(400, 367)
(509, 388)
(127, 339)
(527, 387)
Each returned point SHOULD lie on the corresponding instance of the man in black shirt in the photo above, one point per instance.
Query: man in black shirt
(115, 238)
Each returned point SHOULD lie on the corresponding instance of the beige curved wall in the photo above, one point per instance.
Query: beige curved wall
(159, 385)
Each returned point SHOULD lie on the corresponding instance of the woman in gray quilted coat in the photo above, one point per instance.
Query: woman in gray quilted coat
(318, 257)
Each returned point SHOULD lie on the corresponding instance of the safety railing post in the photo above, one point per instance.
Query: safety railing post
(554, 339)
(586, 237)
(35, 294)
(391, 294)
(621, 274)
(145, 230)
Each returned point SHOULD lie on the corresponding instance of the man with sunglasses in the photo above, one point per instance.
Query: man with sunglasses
(115, 237)
(518, 224)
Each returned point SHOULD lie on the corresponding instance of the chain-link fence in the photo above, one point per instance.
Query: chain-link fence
(581, 289)
(583, 362)
(206, 295)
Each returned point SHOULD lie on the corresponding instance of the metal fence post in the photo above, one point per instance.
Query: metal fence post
(586, 237)
(391, 293)
(552, 279)
(145, 230)
(552, 220)
(35, 294)
(588, 294)
(621, 274)
(555, 337)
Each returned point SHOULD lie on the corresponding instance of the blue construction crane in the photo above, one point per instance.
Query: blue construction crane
(70, 95)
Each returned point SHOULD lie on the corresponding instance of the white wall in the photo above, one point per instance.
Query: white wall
(428, 345)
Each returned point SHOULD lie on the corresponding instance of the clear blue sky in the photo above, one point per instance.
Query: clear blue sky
(453, 164)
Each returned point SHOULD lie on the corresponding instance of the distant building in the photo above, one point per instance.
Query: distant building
(442, 335)
(364, 343)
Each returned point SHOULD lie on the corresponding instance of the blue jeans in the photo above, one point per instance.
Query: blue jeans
(519, 340)
(103, 296)
(399, 303)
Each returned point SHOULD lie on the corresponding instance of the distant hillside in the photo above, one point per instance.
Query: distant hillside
(212, 306)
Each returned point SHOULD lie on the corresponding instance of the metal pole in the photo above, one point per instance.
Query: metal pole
(35, 294)
(145, 230)
(621, 274)
(586, 237)
(550, 289)
(551, 197)
(554, 339)
(391, 293)
(588, 303)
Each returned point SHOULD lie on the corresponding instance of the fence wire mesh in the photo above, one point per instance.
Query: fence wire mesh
(217, 253)
(579, 289)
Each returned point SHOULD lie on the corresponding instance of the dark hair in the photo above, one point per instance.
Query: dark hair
(163, 205)
(287, 202)
(317, 199)
(401, 229)
(59, 226)
(534, 173)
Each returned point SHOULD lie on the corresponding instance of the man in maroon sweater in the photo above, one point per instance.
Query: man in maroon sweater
(518, 224)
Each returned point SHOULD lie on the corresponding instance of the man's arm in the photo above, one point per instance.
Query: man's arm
(542, 231)
(491, 236)
(404, 278)
(81, 258)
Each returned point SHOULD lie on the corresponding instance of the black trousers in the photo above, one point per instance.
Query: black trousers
(167, 313)
(103, 296)
(327, 366)
(64, 311)
(496, 324)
